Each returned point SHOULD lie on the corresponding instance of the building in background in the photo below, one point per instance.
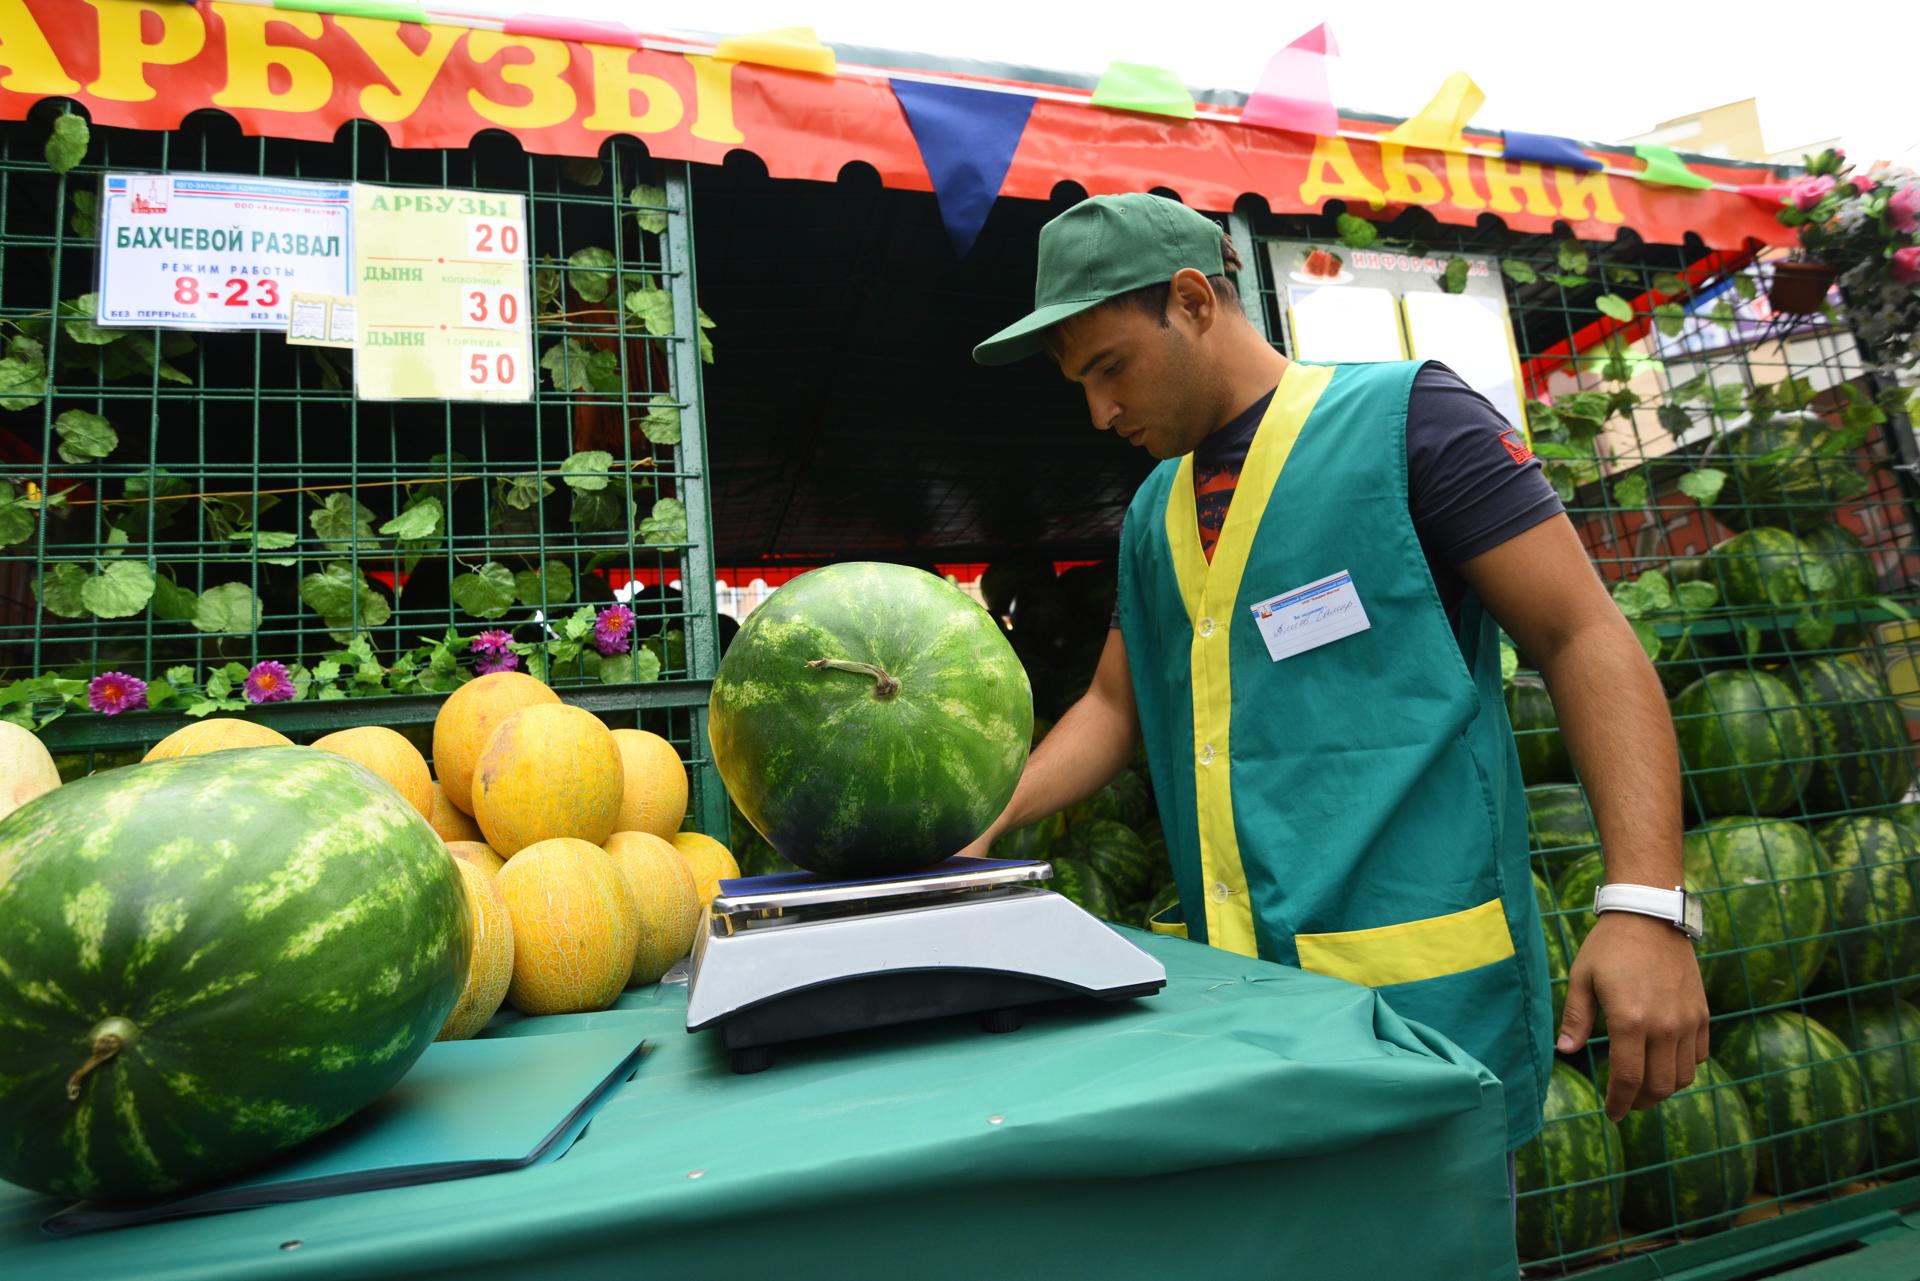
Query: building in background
(1731, 132)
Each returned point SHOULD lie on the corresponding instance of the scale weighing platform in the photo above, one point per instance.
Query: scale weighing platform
(786, 957)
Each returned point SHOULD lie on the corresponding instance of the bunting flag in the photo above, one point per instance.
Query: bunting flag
(1547, 149)
(967, 139)
(1129, 86)
(1665, 166)
(1771, 192)
(1441, 123)
(794, 48)
(1293, 92)
(534, 24)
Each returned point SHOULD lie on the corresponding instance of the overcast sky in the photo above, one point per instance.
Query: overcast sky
(1600, 70)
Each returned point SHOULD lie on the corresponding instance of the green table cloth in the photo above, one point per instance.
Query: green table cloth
(1250, 1120)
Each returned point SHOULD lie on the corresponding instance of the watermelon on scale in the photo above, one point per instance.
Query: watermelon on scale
(209, 959)
(1577, 1153)
(1803, 1086)
(1745, 744)
(870, 720)
(1691, 1161)
(1761, 891)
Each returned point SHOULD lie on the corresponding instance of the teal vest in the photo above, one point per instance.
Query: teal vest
(1355, 809)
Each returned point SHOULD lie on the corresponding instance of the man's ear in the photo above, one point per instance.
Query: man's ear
(1191, 294)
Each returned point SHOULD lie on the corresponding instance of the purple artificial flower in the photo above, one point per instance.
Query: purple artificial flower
(269, 682)
(112, 693)
(491, 653)
(492, 642)
(611, 629)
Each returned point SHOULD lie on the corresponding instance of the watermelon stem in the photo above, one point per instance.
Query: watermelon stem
(884, 685)
(110, 1036)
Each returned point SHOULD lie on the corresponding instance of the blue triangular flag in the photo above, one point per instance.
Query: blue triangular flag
(967, 139)
(1546, 149)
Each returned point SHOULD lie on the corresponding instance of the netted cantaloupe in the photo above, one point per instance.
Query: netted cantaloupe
(469, 717)
(708, 860)
(215, 734)
(390, 756)
(575, 926)
(669, 902)
(478, 853)
(655, 796)
(452, 824)
(548, 771)
(26, 768)
(490, 956)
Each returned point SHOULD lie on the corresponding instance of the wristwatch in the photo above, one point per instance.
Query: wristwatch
(1677, 907)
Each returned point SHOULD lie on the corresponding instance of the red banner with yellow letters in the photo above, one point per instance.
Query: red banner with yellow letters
(288, 73)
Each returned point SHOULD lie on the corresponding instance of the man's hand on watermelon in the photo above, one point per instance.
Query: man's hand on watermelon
(1637, 973)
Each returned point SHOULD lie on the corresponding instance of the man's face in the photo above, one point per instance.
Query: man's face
(1143, 379)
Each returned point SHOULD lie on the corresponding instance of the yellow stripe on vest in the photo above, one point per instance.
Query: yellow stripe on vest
(1413, 950)
(1210, 592)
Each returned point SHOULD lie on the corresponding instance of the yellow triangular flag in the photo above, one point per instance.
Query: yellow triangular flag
(1440, 124)
(795, 48)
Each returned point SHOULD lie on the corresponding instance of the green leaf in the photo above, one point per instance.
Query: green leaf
(1696, 596)
(219, 685)
(121, 590)
(1744, 286)
(587, 470)
(598, 510)
(1671, 317)
(1622, 276)
(1560, 476)
(1814, 631)
(1729, 399)
(1556, 449)
(336, 591)
(640, 668)
(1570, 281)
(592, 272)
(1894, 607)
(67, 146)
(1614, 307)
(173, 603)
(421, 519)
(85, 437)
(525, 490)
(16, 518)
(1571, 257)
(585, 171)
(653, 218)
(486, 592)
(77, 322)
(230, 607)
(661, 426)
(1723, 315)
(1703, 484)
(1630, 491)
(1674, 419)
(58, 589)
(546, 587)
(667, 525)
(566, 364)
(1454, 278)
(1649, 638)
(1356, 233)
(341, 521)
(653, 308)
(23, 380)
(85, 219)
(1518, 271)
(1819, 577)
(546, 283)
(1509, 663)
(1668, 283)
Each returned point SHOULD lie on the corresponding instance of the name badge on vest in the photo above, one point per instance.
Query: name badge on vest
(1308, 617)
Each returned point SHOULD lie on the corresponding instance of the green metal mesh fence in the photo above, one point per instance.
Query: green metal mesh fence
(1742, 481)
(181, 507)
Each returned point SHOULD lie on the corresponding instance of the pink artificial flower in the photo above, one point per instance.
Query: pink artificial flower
(1862, 184)
(1809, 192)
(1906, 264)
(268, 682)
(112, 693)
(1903, 210)
(490, 652)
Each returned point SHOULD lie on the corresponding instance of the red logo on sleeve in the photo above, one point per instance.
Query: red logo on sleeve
(1516, 446)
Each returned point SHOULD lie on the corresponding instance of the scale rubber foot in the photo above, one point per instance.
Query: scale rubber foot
(751, 1059)
(1002, 1020)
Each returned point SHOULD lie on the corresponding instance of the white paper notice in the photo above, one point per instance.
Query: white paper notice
(1308, 617)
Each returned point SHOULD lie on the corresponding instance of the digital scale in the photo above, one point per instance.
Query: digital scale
(781, 958)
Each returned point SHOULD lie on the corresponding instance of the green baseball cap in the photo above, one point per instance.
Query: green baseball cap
(1099, 249)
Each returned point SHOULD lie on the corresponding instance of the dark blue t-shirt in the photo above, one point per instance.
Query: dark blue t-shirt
(1472, 483)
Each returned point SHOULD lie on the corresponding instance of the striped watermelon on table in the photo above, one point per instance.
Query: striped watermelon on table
(1745, 744)
(1560, 823)
(1536, 732)
(1691, 1161)
(209, 959)
(1116, 853)
(1075, 879)
(1866, 758)
(1761, 891)
(1802, 1085)
(1876, 911)
(1568, 1177)
(1034, 841)
(1885, 1035)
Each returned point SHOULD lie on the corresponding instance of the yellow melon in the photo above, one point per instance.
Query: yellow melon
(489, 959)
(668, 900)
(709, 860)
(448, 821)
(215, 734)
(26, 768)
(575, 925)
(479, 854)
(469, 717)
(655, 796)
(548, 771)
(390, 756)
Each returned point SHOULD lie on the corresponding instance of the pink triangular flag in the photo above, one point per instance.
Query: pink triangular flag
(1292, 93)
(1773, 192)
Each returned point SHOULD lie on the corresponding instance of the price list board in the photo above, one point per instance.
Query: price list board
(440, 285)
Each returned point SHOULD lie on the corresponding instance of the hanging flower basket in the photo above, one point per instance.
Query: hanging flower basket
(1800, 288)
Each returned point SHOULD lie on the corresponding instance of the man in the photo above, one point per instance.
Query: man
(1310, 590)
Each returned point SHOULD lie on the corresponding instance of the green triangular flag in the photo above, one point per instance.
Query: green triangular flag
(1129, 86)
(1664, 166)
